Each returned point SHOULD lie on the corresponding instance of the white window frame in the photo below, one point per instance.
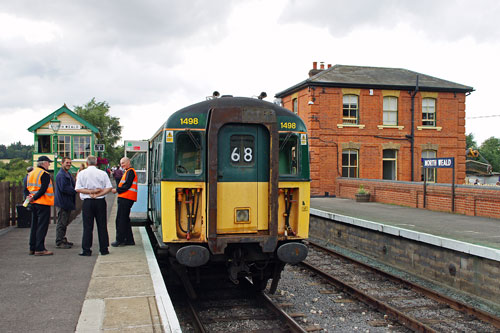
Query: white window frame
(390, 107)
(350, 104)
(431, 172)
(349, 152)
(394, 160)
(429, 112)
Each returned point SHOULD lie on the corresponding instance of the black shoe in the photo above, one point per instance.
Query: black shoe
(130, 243)
(104, 252)
(66, 241)
(85, 254)
(63, 246)
(117, 243)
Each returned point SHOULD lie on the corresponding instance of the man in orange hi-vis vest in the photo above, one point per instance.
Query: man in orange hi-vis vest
(127, 195)
(41, 196)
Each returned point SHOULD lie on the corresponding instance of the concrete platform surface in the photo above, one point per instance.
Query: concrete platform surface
(469, 229)
(122, 291)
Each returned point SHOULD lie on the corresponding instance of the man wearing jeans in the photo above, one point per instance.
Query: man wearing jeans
(65, 201)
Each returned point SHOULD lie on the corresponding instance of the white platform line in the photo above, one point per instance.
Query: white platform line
(166, 310)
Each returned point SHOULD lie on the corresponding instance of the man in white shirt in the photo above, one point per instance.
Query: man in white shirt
(93, 184)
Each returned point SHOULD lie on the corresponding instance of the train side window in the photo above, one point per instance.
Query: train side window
(288, 159)
(188, 153)
(242, 150)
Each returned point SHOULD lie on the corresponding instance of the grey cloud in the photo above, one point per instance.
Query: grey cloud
(441, 19)
(119, 50)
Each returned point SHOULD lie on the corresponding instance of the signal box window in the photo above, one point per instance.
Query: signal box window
(390, 163)
(390, 111)
(350, 165)
(64, 145)
(44, 144)
(429, 172)
(350, 109)
(288, 164)
(81, 147)
(188, 153)
(242, 150)
(429, 112)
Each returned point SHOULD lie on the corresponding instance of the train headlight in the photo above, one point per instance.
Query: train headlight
(242, 215)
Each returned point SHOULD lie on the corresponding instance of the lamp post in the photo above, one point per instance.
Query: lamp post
(54, 125)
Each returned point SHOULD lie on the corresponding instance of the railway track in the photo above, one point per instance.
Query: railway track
(233, 309)
(415, 307)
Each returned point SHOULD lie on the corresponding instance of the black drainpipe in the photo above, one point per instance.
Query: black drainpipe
(412, 135)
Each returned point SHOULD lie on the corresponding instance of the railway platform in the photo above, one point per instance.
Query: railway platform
(122, 291)
(469, 234)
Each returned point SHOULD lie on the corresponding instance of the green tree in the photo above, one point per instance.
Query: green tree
(14, 171)
(490, 150)
(97, 113)
(470, 141)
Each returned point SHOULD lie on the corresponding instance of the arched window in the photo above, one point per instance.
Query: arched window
(429, 112)
(390, 110)
(429, 172)
(350, 114)
(350, 163)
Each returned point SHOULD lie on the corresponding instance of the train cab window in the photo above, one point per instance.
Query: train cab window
(288, 159)
(242, 150)
(188, 153)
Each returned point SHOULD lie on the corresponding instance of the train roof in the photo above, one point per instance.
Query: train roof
(202, 108)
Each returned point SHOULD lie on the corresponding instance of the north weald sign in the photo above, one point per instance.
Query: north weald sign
(445, 162)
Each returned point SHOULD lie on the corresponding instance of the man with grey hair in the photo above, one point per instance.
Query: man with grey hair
(93, 185)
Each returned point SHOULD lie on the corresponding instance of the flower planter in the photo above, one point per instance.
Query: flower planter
(362, 197)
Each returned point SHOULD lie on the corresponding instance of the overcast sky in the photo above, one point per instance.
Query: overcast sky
(149, 58)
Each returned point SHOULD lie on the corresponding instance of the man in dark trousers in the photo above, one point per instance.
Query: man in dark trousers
(65, 201)
(127, 195)
(41, 198)
(93, 184)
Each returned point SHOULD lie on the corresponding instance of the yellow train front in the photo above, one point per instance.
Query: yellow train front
(230, 191)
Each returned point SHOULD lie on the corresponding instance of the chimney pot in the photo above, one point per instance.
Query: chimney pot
(315, 65)
(322, 65)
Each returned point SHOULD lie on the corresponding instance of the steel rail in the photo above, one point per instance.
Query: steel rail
(294, 326)
(197, 321)
(402, 318)
(454, 304)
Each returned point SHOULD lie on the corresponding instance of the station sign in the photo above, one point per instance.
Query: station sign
(445, 162)
(99, 147)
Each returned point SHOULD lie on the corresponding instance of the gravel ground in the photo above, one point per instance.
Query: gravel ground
(326, 308)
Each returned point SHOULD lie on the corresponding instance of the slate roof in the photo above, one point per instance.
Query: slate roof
(376, 78)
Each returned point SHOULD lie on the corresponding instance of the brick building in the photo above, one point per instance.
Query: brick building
(368, 122)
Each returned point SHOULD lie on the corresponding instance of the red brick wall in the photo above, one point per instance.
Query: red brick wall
(469, 199)
(326, 138)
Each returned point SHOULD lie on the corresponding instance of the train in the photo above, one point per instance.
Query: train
(229, 191)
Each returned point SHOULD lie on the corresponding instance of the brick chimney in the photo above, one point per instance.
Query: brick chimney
(315, 69)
